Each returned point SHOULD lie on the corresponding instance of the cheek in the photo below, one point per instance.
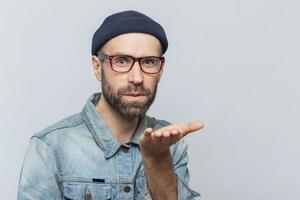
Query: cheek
(118, 83)
(151, 82)
(114, 79)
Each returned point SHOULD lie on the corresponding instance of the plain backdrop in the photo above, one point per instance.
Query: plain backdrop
(232, 64)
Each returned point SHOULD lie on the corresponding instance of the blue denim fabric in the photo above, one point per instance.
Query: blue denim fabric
(78, 158)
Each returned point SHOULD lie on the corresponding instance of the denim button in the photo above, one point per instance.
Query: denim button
(124, 149)
(127, 189)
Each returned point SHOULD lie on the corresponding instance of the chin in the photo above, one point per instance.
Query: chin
(134, 111)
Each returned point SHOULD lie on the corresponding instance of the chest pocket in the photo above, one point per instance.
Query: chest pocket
(86, 191)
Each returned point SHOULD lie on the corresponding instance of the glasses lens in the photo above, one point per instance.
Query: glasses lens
(151, 64)
(121, 63)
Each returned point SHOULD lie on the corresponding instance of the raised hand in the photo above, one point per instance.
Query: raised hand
(157, 143)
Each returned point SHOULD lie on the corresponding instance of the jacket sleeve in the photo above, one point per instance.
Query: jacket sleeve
(180, 162)
(39, 177)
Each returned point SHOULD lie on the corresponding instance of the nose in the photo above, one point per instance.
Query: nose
(136, 74)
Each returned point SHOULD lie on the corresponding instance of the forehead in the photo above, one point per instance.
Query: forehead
(135, 44)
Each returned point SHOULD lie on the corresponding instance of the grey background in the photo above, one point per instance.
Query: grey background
(233, 64)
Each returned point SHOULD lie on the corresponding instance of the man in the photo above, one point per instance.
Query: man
(111, 149)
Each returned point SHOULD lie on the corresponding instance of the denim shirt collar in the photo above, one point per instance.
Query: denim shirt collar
(101, 132)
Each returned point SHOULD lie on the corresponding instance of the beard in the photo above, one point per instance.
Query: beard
(128, 110)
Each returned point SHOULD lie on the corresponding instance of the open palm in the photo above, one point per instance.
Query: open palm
(157, 143)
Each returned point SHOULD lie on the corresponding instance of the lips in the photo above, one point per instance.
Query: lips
(135, 94)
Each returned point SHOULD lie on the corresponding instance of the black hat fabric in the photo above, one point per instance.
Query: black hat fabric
(127, 22)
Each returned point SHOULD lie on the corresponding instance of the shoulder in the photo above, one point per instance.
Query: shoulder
(157, 123)
(65, 125)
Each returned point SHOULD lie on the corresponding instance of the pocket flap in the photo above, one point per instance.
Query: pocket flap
(79, 190)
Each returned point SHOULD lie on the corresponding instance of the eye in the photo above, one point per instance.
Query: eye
(150, 61)
(122, 60)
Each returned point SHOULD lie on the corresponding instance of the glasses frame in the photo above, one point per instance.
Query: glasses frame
(104, 56)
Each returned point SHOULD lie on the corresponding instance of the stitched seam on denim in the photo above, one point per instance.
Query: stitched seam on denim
(76, 179)
(140, 174)
(56, 155)
(192, 192)
(55, 129)
(182, 156)
(91, 129)
(129, 180)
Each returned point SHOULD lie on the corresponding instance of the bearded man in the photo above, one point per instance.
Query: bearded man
(112, 149)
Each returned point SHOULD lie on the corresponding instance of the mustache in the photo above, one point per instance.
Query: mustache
(132, 88)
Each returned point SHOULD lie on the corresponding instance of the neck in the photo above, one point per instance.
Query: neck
(121, 128)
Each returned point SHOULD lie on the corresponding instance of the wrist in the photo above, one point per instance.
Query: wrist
(166, 155)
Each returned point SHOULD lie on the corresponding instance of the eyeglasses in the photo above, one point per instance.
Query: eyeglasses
(124, 63)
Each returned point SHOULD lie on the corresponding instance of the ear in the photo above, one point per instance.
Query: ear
(97, 67)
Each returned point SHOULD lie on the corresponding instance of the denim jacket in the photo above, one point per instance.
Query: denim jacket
(78, 158)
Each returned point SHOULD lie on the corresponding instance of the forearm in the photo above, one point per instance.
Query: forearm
(161, 178)
(158, 166)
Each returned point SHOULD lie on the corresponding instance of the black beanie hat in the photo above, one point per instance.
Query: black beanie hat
(127, 22)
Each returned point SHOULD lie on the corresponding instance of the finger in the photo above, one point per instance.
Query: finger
(166, 133)
(175, 135)
(147, 132)
(157, 136)
(166, 137)
(146, 136)
(175, 131)
(190, 127)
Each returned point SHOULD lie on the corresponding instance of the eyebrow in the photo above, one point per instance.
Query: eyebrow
(118, 53)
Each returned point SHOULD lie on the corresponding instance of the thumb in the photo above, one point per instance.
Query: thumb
(191, 127)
